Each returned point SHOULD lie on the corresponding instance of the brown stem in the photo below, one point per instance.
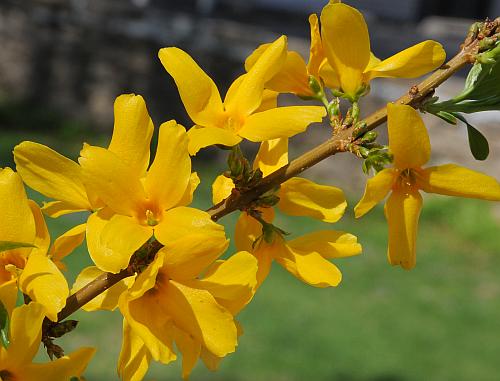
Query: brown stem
(337, 143)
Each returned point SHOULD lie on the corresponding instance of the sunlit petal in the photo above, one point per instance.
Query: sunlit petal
(201, 137)
(221, 188)
(327, 243)
(272, 155)
(375, 191)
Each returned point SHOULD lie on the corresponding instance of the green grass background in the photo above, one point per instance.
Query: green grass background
(440, 321)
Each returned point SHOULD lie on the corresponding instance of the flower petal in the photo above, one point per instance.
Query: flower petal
(327, 243)
(233, 282)
(196, 312)
(116, 184)
(272, 155)
(248, 96)
(42, 238)
(25, 333)
(346, 43)
(248, 229)
(190, 350)
(187, 198)
(410, 63)
(316, 53)
(302, 197)
(134, 359)
(44, 283)
(375, 191)
(51, 174)
(182, 221)
(8, 295)
(67, 242)
(402, 211)
(107, 300)
(201, 137)
(310, 267)
(119, 239)
(132, 132)
(56, 209)
(221, 188)
(16, 218)
(169, 175)
(187, 257)
(329, 76)
(197, 90)
(453, 180)
(280, 122)
(408, 138)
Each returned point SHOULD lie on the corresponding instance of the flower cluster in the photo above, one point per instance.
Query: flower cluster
(176, 294)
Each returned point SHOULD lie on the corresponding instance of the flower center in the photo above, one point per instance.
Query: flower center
(407, 180)
(151, 219)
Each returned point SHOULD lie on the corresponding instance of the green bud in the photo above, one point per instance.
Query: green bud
(369, 137)
(314, 85)
(363, 151)
(337, 93)
(486, 44)
(333, 108)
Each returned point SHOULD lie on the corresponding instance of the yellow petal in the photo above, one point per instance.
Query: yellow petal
(329, 76)
(119, 239)
(196, 312)
(292, 78)
(264, 255)
(51, 174)
(45, 284)
(410, 63)
(408, 138)
(8, 295)
(187, 198)
(67, 242)
(107, 300)
(453, 180)
(402, 211)
(183, 221)
(42, 237)
(201, 137)
(134, 359)
(190, 350)
(248, 229)
(25, 333)
(374, 61)
(132, 132)
(327, 243)
(211, 361)
(301, 197)
(248, 96)
(280, 122)
(316, 53)
(169, 175)
(233, 282)
(62, 369)
(310, 267)
(346, 43)
(16, 218)
(221, 188)
(56, 209)
(269, 100)
(187, 257)
(117, 184)
(272, 155)
(197, 90)
(375, 191)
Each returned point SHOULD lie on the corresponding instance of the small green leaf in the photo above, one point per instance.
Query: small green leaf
(9, 245)
(447, 117)
(4, 325)
(477, 142)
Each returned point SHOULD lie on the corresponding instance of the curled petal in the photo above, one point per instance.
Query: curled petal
(134, 359)
(272, 155)
(280, 122)
(316, 53)
(67, 242)
(301, 197)
(187, 198)
(375, 191)
(221, 188)
(402, 211)
(201, 137)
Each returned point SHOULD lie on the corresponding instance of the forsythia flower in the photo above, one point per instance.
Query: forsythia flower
(346, 45)
(25, 334)
(410, 145)
(21, 221)
(304, 257)
(238, 117)
(168, 304)
(295, 73)
(140, 202)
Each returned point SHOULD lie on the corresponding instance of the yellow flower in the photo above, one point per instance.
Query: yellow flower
(25, 334)
(61, 179)
(168, 304)
(410, 145)
(141, 202)
(238, 117)
(305, 257)
(346, 44)
(294, 75)
(22, 221)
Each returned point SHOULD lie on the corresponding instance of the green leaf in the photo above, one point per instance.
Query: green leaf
(4, 325)
(9, 245)
(477, 142)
